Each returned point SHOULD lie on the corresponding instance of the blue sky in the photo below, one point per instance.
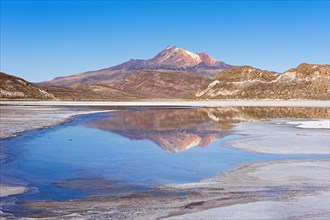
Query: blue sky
(44, 39)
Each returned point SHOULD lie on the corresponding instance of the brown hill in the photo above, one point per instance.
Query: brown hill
(12, 87)
(156, 84)
(140, 84)
(88, 93)
(307, 81)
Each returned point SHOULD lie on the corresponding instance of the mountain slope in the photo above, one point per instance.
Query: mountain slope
(157, 84)
(170, 59)
(174, 58)
(307, 81)
(141, 84)
(12, 87)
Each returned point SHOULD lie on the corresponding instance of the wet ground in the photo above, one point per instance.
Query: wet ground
(136, 155)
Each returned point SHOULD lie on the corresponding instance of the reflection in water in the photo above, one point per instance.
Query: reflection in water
(175, 130)
(71, 161)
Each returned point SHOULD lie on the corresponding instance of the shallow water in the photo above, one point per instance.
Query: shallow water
(115, 153)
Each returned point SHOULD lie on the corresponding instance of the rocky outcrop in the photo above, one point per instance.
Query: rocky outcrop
(12, 87)
(307, 81)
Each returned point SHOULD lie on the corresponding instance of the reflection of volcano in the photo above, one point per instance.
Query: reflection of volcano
(176, 130)
(173, 130)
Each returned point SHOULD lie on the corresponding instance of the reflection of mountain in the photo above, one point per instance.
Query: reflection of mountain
(176, 130)
(173, 130)
(226, 117)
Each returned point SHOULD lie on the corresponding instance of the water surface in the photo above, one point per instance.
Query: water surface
(127, 151)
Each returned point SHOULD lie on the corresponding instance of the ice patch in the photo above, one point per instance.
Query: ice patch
(324, 124)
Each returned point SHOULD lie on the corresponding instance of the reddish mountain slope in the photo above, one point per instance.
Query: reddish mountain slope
(170, 59)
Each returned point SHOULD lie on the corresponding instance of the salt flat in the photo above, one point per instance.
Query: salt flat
(284, 136)
(311, 124)
(183, 103)
(6, 190)
(290, 174)
(279, 137)
(16, 119)
(308, 207)
(303, 185)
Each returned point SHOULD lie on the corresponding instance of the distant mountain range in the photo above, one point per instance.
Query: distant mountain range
(175, 73)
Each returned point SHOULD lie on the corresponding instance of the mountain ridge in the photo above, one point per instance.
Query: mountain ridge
(306, 81)
(170, 59)
(173, 58)
(175, 73)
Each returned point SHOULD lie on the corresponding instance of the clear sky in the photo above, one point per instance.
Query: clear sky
(44, 39)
